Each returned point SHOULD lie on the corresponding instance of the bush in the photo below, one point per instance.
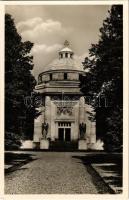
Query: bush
(12, 141)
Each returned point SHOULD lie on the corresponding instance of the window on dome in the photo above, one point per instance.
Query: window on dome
(65, 76)
(50, 77)
(61, 55)
(66, 55)
(80, 77)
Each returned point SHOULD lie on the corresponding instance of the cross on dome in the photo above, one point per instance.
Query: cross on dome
(66, 43)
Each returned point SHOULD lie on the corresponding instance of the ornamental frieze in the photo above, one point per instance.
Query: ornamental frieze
(64, 110)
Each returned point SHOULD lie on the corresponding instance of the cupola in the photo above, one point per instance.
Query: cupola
(66, 52)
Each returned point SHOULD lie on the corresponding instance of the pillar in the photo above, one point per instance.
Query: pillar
(93, 133)
(76, 123)
(82, 117)
(82, 110)
(53, 124)
(88, 124)
(72, 131)
(48, 114)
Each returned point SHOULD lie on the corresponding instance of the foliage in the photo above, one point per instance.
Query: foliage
(12, 141)
(19, 82)
(105, 77)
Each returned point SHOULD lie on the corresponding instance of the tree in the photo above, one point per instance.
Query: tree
(19, 81)
(105, 78)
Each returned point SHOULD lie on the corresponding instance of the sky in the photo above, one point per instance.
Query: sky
(48, 26)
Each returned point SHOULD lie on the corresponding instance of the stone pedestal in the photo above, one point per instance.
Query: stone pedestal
(82, 145)
(44, 144)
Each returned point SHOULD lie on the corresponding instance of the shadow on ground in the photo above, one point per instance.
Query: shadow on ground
(16, 160)
(111, 164)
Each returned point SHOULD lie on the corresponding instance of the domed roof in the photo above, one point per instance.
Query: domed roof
(66, 49)
(66, 61)
(64, 64)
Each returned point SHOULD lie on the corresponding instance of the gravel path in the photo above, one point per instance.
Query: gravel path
(52, 173)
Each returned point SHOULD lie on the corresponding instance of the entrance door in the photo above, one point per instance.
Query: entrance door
(64, 134)
(61, 134)
(67, 134)
(64, 131)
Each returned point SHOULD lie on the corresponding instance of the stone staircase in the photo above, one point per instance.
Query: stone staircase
(63, 146)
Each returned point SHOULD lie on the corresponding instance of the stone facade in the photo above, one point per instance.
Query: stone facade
(65, 106)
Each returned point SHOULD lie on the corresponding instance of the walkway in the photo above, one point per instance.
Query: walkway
(54, 173)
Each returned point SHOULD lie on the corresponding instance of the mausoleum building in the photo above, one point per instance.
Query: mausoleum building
(64, 108)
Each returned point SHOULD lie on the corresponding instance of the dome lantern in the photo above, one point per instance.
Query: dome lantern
(66, 52)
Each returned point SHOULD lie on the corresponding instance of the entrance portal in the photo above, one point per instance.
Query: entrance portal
(67, 134)
(61, 134)
(64, 131)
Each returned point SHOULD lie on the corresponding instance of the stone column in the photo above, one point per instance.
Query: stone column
(48, 114)
(76, 123)
(82, 110)
(53, 126)
(88, 124)
(72, 131)
(82, 144)
(93, 133)
(56, 130)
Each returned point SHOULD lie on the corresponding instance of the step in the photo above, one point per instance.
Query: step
(57, 145)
